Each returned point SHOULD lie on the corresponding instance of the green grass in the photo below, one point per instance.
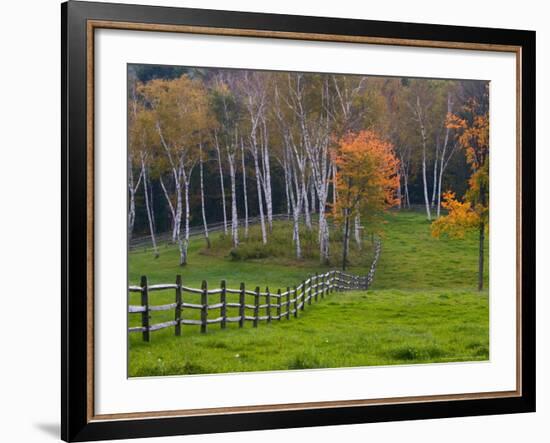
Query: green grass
(218, 262)
(422, 308)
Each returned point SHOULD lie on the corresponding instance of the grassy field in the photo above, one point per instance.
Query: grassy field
(423, 307)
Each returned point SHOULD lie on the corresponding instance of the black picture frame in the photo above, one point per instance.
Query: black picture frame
(77, 423)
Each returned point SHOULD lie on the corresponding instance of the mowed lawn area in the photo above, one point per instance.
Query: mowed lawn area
(423, 307)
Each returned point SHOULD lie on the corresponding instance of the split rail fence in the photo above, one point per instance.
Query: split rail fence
(276, 305)
(165, 238)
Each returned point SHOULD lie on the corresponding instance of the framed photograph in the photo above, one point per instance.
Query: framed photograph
(277, 221)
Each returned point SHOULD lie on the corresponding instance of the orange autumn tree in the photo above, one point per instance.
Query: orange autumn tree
(472, 133)
(366, 179)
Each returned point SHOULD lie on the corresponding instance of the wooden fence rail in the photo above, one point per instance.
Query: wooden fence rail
(165, 238)
(285, 303)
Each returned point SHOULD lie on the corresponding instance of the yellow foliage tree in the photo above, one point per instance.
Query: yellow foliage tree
(459, 219)
(181, 117)
(473, 213)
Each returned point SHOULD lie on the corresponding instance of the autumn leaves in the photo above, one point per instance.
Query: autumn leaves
(472, 133)
(331, 151)
(366, 181)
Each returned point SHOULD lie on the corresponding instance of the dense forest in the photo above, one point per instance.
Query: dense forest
(208, 145)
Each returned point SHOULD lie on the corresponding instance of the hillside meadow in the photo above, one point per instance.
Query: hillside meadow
(422, 308)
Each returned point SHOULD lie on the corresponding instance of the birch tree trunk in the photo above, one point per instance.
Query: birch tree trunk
(307, 214)
(218, 151)
(420, 118)
(184, 245)
(132, 208)
(266, 172)
(425, 183)
(148, 208)
(187, 181)
(404, 161)
(234, 215)
(324, 237)
(296, 200)
(170, 205)
(434, 187)
(399, 194)
(132, 189)
(178, 207)
(205, 224)
(312, 190)
(177, 224)
(345, 249)
(285, 168)
(357, 230)
(259, 190)
(245, 192)
(152, 203)
(407, 199)
(334, 193)
(444, 160)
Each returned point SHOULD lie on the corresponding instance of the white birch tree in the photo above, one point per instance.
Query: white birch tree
(203, 210)
(266, 168)
(142, 143)
(227, 109)
(314, 122)
(294, 159)
(446, 153)
(222, 186)
(245, 190)
(419, 113)
(255, 96)
(181, 114)
(133, 152)
(148, 206)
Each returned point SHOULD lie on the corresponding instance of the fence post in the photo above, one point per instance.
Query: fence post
(279, 304)
(145, 304)
(178, 305)
(256, 307)
(288, 302)
(268, 302)
(295, 302)
(316, 286)
(204, 310)
(241, 306)
(223, 301)
(304, 294)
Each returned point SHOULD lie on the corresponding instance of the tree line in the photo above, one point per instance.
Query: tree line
(221, 145)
